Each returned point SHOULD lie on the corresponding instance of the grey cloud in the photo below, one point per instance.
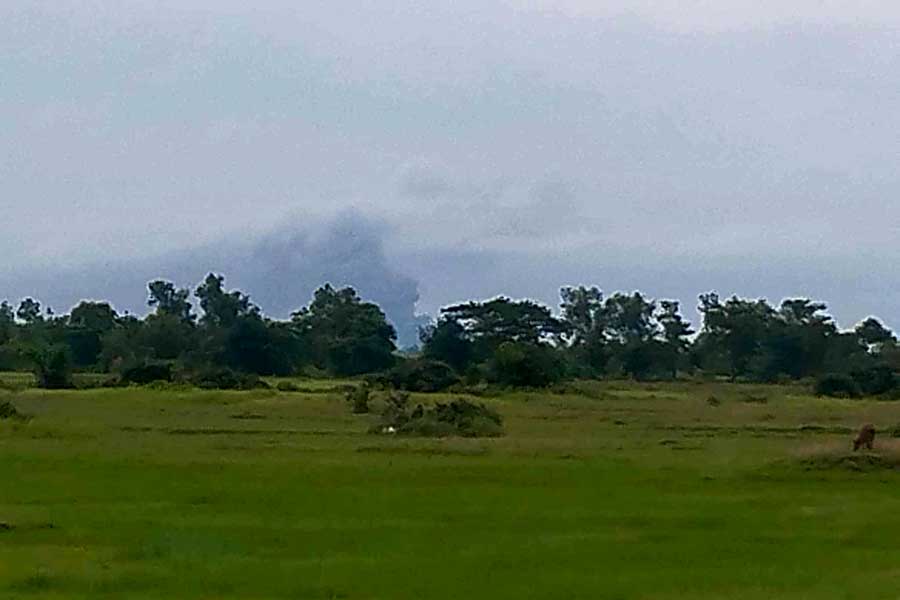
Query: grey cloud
(498, 143)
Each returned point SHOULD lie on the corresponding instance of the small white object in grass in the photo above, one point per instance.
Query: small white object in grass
(389, 430)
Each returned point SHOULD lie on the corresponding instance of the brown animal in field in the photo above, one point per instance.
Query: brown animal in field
(865, 437)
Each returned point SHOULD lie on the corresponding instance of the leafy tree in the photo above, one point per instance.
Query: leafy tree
(234, 333)
(29, 311)
(675, 334)
(7, 322)
(9, 354)
(628, 318)
(630, 334)
(735, 329)
(171, 301)
(845, 352)
(167, 336)
(798, 339)
(588, 350)
(346, 335)
(124, 345)
(221, 308)
(52, 366)
(506, 341)
(94, 316)
(582, 312)
(447, 342)
(874, 334)
(489, 324)
(86, 325)
(254, 345)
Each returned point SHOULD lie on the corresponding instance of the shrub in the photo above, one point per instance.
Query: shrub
(422, 375)
(52, 367)
(459, 417)
(875, 380)
(524, 365)
(91, 381)
(143, 374)
(358, 397)
(8, 411)
(754, 399)
(396, 412)
(223, 378)
(837, 385)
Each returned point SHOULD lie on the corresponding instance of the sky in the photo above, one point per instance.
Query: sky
(462, 149)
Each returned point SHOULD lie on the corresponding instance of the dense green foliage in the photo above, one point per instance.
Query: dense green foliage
(420, 375)
(499, 341)
(337, 332)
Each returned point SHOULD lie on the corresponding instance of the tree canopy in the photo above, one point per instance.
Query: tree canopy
(500, 340)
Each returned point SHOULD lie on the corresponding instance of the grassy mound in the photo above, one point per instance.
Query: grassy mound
(885, 456)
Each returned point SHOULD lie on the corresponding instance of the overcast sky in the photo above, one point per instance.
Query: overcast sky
(671, 146)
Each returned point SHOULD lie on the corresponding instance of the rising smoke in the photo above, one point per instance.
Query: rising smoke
(279, 271)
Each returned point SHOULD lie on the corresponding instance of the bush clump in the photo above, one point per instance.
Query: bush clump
(876, 380)
(358, 398)
(456, 418)
(837, 385)
(879, 380)
(518, 364)
(144, 374)
(8, 412)
(223, 378)
(421, 375)
(52, 367)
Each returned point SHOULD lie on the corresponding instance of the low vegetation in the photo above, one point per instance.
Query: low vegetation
(459, 417)
(9, 412)
(358, 399)
(420, 375)
(601, 489)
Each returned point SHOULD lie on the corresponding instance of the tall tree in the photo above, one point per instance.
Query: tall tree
(87, 324)
(629, 318)
(29, 311)
(95, 316)
(170, 300)
(874, 334)
(675, 334)
(582, 311)
(446, 341)
(222, 308)
(798, 339)
(346, 335)
(7, 322)
(503, 320)
(736, 328)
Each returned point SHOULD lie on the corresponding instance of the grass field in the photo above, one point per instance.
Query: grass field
(606, 491)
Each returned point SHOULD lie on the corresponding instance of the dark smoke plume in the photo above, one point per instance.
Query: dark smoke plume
(279, 271)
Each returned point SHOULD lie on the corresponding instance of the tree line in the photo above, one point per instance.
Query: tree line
(503, 341)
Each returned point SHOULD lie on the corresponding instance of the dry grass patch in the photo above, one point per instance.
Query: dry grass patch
(840, 456)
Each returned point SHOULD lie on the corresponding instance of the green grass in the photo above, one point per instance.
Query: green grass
(605, 491)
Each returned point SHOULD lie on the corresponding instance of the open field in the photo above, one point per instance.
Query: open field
(606, 491)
